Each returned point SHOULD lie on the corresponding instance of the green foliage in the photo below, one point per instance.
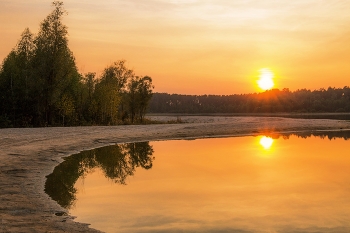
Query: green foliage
(138, 96)
(66, 108)
(41, 86)
(15, 86)
(144, 92)
(55, 67)
(108, 92)
(107, 99)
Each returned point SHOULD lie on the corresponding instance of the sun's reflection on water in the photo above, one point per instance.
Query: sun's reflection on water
(266, 142)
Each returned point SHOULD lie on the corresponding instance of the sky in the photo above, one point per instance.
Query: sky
(201, 47)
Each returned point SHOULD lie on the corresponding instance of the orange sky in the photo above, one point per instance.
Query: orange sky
(201, 47)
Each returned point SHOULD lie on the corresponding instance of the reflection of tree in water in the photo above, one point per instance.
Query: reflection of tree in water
(345, 134)
(117, 163)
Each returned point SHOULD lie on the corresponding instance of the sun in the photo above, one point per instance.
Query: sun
(265, 81)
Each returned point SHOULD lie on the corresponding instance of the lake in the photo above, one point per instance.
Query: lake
(298, 182)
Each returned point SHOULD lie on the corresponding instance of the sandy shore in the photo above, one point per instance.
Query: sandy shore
(28, 155)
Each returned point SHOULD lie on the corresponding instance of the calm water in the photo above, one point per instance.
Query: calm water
(286, 183)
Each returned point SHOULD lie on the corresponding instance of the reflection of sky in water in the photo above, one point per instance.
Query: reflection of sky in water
(226, 185)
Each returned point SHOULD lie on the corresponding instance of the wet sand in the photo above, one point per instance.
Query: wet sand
(28, 155)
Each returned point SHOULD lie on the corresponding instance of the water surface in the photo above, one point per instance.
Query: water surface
(269, 183)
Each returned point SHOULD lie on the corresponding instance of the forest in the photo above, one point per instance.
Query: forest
(329, 100)
(40, 84)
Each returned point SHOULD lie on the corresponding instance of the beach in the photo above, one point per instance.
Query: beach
(28, 155)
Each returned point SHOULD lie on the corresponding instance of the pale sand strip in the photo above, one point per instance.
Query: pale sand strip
(28, 155)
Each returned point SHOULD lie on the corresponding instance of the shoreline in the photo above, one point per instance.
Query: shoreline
(28, 155)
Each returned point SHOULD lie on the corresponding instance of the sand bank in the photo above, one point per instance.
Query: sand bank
(28, 155)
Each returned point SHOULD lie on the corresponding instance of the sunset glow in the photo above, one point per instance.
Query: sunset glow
(265, 81)
(213, 47)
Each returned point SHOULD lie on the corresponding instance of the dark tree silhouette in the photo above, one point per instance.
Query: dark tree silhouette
(41, 86)
(272, 101)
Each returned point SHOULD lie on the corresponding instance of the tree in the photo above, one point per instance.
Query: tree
(132, 97)
(87, 105)
(90, 82)
(55, 68)
(138, 96)
(144, 95)
(15, 87)
(8, 76)
(24, 50)
(109, 91)
(40, 84)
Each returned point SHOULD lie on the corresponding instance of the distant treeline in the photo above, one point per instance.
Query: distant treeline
(272, 101)
(40, 84)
